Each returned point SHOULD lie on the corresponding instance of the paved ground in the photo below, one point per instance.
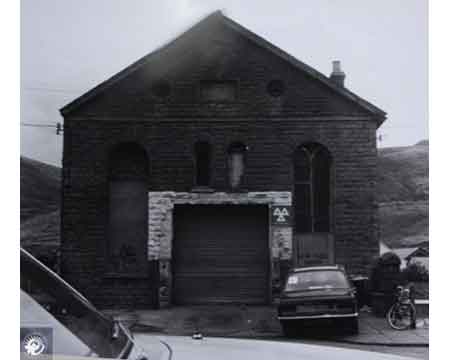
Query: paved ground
(261, 322)
(419, 352)
(220, 348)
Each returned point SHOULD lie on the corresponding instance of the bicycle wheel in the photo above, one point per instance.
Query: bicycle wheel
(401, 316)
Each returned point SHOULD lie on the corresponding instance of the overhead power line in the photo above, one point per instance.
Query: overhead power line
(37, 125)
(55, 90)
(58, 126)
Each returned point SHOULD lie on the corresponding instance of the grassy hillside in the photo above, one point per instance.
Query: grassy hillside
(402, 191)
(39, 207)
(39, 188)
(40, 234)
(403, 173)
(404, 223)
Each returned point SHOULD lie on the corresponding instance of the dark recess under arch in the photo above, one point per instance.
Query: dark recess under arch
(128, 210)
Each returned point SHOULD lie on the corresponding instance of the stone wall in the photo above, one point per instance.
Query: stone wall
(169, 145)
(167, 128)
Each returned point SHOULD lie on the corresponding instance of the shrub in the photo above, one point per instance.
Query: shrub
(415, 272)
(384, 277)
(385, 273)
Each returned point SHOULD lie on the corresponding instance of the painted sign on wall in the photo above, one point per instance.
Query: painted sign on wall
(281, 215)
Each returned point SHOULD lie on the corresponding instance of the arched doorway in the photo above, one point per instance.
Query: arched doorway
(128, 210)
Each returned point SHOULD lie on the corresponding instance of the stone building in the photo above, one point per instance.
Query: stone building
(203, 171)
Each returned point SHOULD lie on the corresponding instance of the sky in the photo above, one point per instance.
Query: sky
(68, 47)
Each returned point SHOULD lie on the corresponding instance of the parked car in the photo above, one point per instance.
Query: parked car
(80, 331)
(77, 327)
(316, 294)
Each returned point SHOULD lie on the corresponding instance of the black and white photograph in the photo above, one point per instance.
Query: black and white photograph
(224, 179)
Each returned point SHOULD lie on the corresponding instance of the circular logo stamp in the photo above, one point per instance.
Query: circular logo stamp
(34, 344)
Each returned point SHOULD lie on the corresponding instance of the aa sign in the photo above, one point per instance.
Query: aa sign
(281, 215)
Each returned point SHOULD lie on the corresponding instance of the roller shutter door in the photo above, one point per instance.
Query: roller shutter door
(220, 254)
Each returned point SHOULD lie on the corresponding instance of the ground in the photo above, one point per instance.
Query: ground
(260, 322)
(419, 352)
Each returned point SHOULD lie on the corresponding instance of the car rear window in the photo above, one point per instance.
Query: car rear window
(316, 280)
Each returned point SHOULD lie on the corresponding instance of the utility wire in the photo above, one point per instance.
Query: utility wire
(38, 125)
(36, 88)
(58, 126)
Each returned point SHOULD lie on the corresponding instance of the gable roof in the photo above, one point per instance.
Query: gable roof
(406, 253)
(403, 253)
(218, 16)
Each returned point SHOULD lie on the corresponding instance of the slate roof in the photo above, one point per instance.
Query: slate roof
(406, 253)
(379, 114)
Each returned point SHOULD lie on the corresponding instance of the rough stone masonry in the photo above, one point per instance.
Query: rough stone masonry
(130, 156)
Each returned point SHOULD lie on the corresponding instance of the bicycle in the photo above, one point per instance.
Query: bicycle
(402, 314)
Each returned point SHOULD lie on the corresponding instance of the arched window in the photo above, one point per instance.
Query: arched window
(312, 164)
(202, 151)
(236, 164)
(128, 209)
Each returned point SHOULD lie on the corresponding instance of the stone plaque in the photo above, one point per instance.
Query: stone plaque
(218, 91)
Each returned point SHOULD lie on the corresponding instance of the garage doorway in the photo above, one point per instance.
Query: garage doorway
(221, 254)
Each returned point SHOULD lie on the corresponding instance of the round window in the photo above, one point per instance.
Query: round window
(276, 88)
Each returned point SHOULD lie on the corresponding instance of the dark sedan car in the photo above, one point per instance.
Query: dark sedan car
(318, 293)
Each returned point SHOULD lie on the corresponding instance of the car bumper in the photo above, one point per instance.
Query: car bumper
(322, 316)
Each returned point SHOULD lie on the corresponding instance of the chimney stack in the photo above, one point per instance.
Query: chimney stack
(337, 76)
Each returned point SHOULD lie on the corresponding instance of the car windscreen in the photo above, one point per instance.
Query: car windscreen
(32, 314)
(78, 328)
(316, 280)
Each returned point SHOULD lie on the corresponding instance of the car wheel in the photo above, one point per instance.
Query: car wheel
(289, 328)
